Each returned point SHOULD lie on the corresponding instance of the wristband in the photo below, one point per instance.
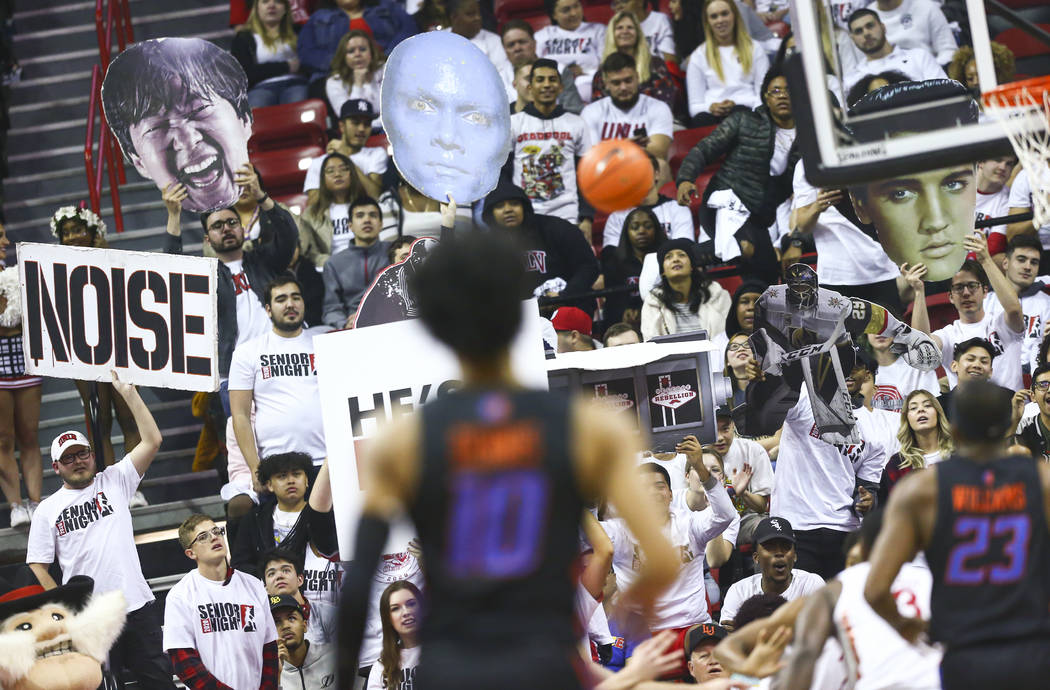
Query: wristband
(731, 491)
(265, 196)
(750, 680)
(711, 483)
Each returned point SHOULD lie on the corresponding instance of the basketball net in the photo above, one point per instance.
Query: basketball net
(1023, 110)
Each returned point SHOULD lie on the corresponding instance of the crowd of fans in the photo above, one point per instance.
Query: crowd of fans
(756, 520)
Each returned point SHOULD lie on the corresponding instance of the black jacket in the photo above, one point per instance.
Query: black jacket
(243, 49)
(1031, 437)
(255, 535)
(261, 265)
(554, 246)
(746, 139)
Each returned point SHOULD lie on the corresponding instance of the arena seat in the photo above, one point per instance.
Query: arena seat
(779, 29)
(516, 9)
(598, 13)
(684, 140)
(1032, 56)
(378, 140)
(296, 203)
(287, 126)
(940, 309)
(284, 171)
(537, 21)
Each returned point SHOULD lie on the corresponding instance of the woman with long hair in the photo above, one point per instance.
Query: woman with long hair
(572, 43)
(925, 439)
(385, 20)
(622, 264)
(357, 72)
(266, 51)
(686, 299)
(624, 35)
(725, 72)
(686, 26)
(738, 356)
(400, 611)
(324, 227)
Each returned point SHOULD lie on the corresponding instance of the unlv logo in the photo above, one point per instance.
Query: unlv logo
(536, 260)
(66, 437)
(887, 398)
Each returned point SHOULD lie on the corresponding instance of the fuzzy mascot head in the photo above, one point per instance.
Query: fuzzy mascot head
(57, 639)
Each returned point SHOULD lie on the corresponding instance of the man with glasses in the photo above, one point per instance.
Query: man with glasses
(1004, 330)
(242, 275)
(218, 629)
(86, 525)
(1034, 432)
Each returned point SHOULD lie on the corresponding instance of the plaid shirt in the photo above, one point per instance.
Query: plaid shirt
(191, 670)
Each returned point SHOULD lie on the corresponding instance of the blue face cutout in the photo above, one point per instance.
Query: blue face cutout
(446, 115)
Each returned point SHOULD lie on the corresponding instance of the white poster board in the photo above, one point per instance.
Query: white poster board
(148, 316)
(370, 375)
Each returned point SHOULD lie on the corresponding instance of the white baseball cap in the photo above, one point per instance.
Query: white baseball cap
(65, 441)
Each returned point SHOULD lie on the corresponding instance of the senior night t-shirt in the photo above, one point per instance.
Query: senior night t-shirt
(89, 531)
(228, 624)
(283, 377)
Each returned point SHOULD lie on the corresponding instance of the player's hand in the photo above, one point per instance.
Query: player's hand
(865, 500)
(654, 657)
(686, 193)
(977, 244)
(448, 213)
(764, 659)
(246, 179)
(742, 478)
(123, 388)
(913, 275)
(911, 628)
(173, 195)
(691, 448)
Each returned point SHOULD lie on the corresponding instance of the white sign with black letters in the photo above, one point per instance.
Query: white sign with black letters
(148, 316)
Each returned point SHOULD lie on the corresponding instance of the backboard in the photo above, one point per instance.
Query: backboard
(913, 138)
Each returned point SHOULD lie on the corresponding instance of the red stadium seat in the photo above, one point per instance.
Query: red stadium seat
(683, 141)
(378, 140)
(779, 29)
(940, 309)
(1022, 44)
(284, 171)
(598, 13)
(285, 126)
(511, 9)
(537, 21)
(296, 203)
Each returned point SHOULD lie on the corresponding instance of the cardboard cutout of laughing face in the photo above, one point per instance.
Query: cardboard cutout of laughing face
(446, 115)
(179, 108)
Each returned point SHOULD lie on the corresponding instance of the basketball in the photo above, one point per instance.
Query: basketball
(615, 175)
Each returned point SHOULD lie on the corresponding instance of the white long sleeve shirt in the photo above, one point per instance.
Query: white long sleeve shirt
(919, 24)
(704, 86)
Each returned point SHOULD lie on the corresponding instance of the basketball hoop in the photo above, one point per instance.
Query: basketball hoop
(1023, 110)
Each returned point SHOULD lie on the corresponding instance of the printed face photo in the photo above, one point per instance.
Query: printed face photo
(179, 109)
(447, 119)
(922, 217)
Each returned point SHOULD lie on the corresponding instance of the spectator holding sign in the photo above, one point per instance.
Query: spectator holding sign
(86, 525)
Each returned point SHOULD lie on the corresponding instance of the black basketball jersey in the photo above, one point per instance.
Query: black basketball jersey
(989, 553)
(497, 512)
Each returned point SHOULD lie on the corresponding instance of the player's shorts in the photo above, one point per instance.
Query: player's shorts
(522, 667)
(1010, 664)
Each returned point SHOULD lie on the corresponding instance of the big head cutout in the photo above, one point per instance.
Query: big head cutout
(919, 217)
(179, 108)
(446, 115)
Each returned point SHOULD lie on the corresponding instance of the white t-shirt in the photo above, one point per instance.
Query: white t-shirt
(684, 602)
(409, 662)
(322, 579)
(545, 153)
(606, 121)
(392, 567)
(583, 47)
(227, 624)
(658, 32)
(814, 481)
(782, 142)
(744, 451)
(283, 377)
(919, 24)
(1021, 197)
(1036, 308)
(894, 382)
(994, 205)
(341, 235)
(1006, 366)
(888, 424)
(802, 584)
(676, 220)
(252, 320)
(916, 63)
(89, 531)
(845, 255)
(283, 522)
(704, 87)
(370, 159)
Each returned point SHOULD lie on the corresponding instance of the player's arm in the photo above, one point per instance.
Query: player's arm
(1005, 291)
(387, 478)
(142, 455)
(813, 627)
(593, 576)
(912, 500)
(605, 454)
(734, 651)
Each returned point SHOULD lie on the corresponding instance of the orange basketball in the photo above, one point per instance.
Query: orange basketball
(614, 175)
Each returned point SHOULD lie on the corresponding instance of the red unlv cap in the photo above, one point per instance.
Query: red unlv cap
(571, 319)
(65, 441)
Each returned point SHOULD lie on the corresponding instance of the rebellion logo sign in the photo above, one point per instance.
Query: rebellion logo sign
(618, 396)
(674, 399)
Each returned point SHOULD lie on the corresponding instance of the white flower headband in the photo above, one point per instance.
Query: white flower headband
(84, 214)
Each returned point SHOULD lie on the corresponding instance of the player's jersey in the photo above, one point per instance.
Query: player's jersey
(989, 553)
(876, 656)
(498, 512)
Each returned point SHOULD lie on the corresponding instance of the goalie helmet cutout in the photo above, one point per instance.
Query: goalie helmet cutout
(804, 335)
(57, 639)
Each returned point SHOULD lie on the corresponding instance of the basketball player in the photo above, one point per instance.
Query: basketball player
(982, 519)
(495, 478)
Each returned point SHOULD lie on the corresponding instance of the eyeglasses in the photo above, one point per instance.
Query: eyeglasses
(972, 286)
(70, 458)
(777, 92)
(229, 223)
(736, 347)
(1041, 386)
(206, 536)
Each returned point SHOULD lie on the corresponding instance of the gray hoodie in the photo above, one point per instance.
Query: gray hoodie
(347, 275)
(316, 673)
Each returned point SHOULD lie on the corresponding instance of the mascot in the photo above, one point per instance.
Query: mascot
(57, 639)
